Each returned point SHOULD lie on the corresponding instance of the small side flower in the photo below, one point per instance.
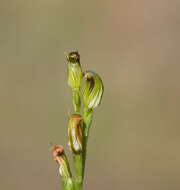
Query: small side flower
(60, 157)
(92, 90)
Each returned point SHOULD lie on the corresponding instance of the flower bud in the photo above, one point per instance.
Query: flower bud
(92, 90)
(75, 133)
(60, 157)
(75, 73)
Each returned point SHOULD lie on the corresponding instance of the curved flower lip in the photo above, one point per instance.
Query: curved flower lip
(75, 133)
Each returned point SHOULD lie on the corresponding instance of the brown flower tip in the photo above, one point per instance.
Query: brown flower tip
(57, 151)
(77, 117)
(73, 57)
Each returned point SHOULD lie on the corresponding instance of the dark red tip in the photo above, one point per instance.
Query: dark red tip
(57, 151)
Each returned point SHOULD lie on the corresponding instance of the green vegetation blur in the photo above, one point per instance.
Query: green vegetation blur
(134, 45)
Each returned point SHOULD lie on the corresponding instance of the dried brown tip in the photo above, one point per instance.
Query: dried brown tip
(77, 117)
(73, 57)
(57, 151)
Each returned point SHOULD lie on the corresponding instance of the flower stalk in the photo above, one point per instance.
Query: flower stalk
(87, 91)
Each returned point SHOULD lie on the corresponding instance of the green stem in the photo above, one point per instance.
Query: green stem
(77, 157)
(80, 158)
(76, 100)
(87, 116)
(67, 184)
(78, 167)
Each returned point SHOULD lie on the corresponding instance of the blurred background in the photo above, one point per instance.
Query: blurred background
(134, 45)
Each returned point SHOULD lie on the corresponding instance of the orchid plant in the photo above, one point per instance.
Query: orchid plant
(87, 91)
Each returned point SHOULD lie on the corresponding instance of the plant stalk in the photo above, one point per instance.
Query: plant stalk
(76, 100)
(87, 116)
(67, 184)
(77, 157)
(80, 158)
(78, 167)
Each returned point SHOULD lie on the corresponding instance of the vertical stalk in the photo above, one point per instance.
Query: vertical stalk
(76, 100)
(67, 184)
(80, 158)
(87, 116)
(78, 166)
(77, 157)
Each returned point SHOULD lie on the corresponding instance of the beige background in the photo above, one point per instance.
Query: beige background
(134, 46)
